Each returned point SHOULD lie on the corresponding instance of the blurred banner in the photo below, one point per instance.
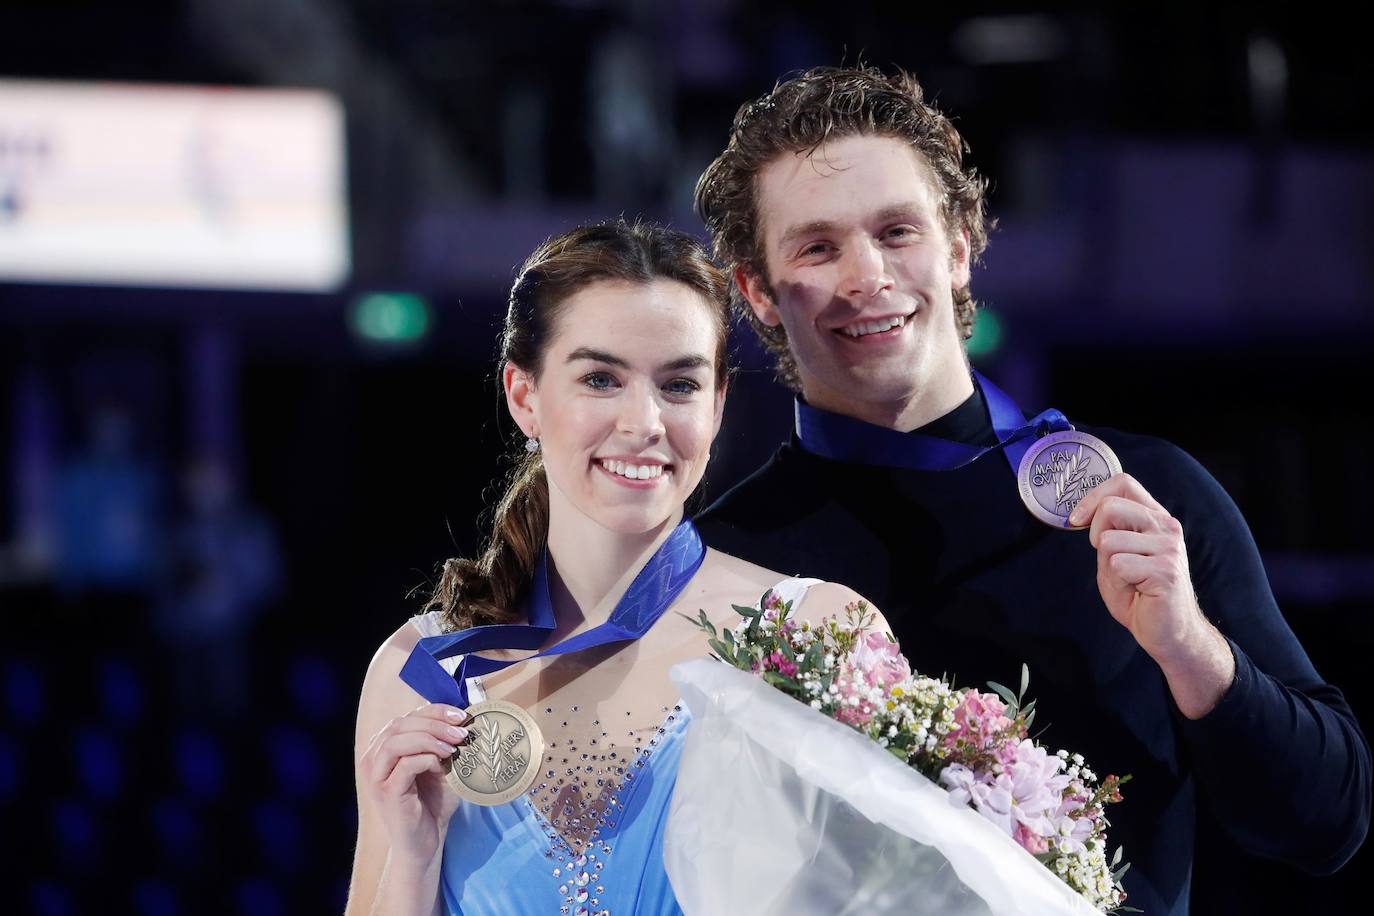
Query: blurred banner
(172, 186)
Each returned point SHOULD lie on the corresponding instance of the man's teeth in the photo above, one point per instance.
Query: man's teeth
(633, 471)
(860, 328)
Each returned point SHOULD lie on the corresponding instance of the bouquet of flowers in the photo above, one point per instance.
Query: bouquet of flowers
(974, 744)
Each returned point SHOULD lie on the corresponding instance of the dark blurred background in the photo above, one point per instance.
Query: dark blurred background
(247, 400)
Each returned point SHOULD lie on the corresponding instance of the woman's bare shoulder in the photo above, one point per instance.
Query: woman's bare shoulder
(830, 599)
(384, 694)
(732, 573)
(732, 580)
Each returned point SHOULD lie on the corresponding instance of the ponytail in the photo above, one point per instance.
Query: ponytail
(491, 588)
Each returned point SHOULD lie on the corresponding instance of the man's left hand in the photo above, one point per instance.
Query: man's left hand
(1142, 573)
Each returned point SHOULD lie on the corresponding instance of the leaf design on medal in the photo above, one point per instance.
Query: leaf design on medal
(1069, 481)
(490, 747)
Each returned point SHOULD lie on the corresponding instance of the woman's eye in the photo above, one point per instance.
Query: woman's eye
(682, 386)
(598, 380)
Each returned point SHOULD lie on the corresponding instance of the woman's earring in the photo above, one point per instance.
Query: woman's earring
(531, 445)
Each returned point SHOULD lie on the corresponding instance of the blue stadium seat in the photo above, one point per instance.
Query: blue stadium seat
(99, 763)
(295, 761)
(120, 688)
(200, 763)
(25, 696)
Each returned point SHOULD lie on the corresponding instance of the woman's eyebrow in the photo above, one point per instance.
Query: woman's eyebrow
(598, 356)
(690, 361)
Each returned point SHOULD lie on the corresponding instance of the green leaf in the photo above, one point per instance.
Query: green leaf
(723, 652)
(1025, 679)
(1003, 692)
(1116, 875)
(690, 618)
(729, 636)
(1116, 859)
(746, 611)
(779, 680)
(706, 623)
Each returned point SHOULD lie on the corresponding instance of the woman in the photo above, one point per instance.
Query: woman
(613, 366)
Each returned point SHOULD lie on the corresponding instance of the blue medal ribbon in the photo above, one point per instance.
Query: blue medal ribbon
(654, 588)
(844, 438)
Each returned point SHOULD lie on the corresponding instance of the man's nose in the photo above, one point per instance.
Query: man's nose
(865, 272)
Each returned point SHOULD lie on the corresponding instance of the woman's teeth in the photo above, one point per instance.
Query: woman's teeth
(633, 471)
(861, 328)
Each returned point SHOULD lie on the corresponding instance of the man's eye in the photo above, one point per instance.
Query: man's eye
(598, 380)
(815, 248)
(682, 386)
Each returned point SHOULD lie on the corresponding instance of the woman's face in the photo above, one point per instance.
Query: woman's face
(626, 405)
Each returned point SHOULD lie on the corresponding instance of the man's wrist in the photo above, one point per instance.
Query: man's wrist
(1200, 672)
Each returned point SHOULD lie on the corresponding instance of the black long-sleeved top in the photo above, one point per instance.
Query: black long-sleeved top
(973, 586)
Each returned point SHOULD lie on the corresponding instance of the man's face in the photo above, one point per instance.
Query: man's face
(862, 272)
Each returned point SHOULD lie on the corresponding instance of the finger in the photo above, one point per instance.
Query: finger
(1138, 572)
(398, 747)
(440, 728)
(455, 715)
(1116, 513)
(1120, 485)
(419, 729)
(1141, 543)
(403, 775)
(1114, 588)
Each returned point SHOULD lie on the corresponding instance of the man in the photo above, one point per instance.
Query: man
(844, 211)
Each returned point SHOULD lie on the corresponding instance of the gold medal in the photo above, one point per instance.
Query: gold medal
(1059, 469)
(501, 757)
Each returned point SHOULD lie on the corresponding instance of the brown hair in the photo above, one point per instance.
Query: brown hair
(799, 115)
(490, 588)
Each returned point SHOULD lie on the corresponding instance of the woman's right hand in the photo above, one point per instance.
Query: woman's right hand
(402, 775)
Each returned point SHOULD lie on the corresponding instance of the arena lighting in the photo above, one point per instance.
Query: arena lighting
(987, 334)
(1013, 39)
(390, 317)
(170, 185)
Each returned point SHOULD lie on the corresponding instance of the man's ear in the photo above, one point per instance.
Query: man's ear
(756, 293)
(959, 260)
(521, 399)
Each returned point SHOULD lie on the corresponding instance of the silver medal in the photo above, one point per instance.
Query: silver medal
(1058, 470)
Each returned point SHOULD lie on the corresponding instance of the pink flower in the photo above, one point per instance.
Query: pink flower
(978, 720)
(780, 663)
(853, 707)
(879, 661)
(1030, 840)
(1021, 799)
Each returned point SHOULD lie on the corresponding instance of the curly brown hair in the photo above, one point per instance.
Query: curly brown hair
(799, 115)
(491, 588)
